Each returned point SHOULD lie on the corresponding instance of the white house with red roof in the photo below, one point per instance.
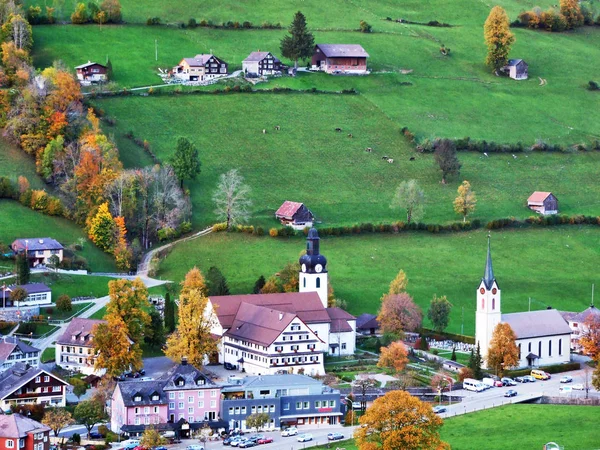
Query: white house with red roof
(295, 215)
(543, 202)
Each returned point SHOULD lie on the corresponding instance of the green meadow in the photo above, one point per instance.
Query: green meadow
(552, 266)
(14, 163)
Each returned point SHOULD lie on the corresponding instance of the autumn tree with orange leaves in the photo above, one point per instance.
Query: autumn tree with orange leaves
(399, 421)
(399, 313)
(590, 344)
(503, 353)
(394, 356)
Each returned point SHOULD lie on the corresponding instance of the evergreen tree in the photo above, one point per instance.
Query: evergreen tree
(216, 281)
(453, 356)
(109, 69)
(477, 362)
(300, 42)
(185, 161)
(471, 362)
(169, 314)
(260, 283)
(157, 338)
(22, 269)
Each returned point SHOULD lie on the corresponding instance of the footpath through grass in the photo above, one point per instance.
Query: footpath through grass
(554, 266)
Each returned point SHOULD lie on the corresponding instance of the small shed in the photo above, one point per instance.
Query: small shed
(92, 71)
(543, 202)
(295, 215)
(516, 69)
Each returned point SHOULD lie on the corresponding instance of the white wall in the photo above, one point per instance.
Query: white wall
(308, 283)
(545, 359)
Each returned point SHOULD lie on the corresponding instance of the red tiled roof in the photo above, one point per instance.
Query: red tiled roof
(79, 327)
(538, 197)
(288, 209)
(339, 320)
(259, 324)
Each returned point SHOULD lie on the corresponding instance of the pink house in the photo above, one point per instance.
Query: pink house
(181, 400)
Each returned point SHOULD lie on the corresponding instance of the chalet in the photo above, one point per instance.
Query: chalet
(200, 68)
(340, 59)
(37, 294)
(295, 215)
(75, 348)
(23, 384)
(38, 250)
(516, 69)
(543, 202)
(367, 324)
(261, 63)
(92, 72)
(13, 351)
(23, 433)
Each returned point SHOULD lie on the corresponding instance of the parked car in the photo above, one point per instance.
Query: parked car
(235, 442)
(95, 435)
(304, 437)
(566, 379)
(488, 382)
(529, 379)
(439, 409)
(578, 387)
(160, 447)
(256, 437)
(291, 431)
(195, 447)
(498, 383)
(249, 442)
(265, 440)
(130, 444)
(508, 381)
(228, 366)
(520, 380)
(142, 372)
(335, 436)
(228, 440)
(510, 393)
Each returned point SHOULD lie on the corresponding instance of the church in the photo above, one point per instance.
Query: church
(543, 337)
(291, 332)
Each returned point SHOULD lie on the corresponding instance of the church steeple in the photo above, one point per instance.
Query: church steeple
(488, 276)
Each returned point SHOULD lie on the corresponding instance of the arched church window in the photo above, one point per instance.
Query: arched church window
(529, 348)
(519, 351)
(560, 346)
(318, 282)
(482, 303)
(304, 282)
(493, 304)
(550, 347)
(540, 349)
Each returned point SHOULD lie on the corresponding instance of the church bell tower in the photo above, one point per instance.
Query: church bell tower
(313, 268)
(488, 304)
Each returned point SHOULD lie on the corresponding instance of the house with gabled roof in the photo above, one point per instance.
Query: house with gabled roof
(543, 202)
(14, 351)
(259, 64)
(23, 433)
(295, 215)
(92, 72)
(75, 347)
(202, 67)
(517, 69)
(38, 250)
(340, 59)
(578, 323)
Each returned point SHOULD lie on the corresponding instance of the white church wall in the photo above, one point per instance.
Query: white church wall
(559, 354)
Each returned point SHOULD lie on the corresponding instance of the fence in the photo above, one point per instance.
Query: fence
(75, 314)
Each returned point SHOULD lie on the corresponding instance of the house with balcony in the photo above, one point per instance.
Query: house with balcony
(289, 399)
(13, 351)
(22, 385)
(75, 348)
(183, 399)
(23, 433)
(38, 250)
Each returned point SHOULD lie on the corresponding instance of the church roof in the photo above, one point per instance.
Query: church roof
(339, 320)
(547, 322)
(488, 275)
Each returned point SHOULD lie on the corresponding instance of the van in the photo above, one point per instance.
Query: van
(539, 374)
(473, 385)
(489, 382)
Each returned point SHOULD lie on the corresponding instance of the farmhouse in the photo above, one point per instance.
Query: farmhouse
(37, 294)
(578, 324)
(543, 202)
(261, 63)
(75, 348)
(201, 67)
(92, 72)
(22, 384)
(543, 337)
(340, 59)
(13, 351)
(38, 250)
(516, 69)
(23, 433)
(295, 215)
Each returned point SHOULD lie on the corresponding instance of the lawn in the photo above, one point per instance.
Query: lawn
(552, 266)
(74, 285)
(48, 355)
(14, 162)
(38, 329)
(16, 221)
(99, 314)
(63, 315)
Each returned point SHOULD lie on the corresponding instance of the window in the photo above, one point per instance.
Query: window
(519, 351)
(331, 403)
(136, 410)
(259, 409)
(190, 419)
(231, 410)
(540, 349)
(191, 410)
(155, 397)
(343, 346)
(318, 282)
(46, 378)
(147, 420)
(172, 395)
(156, 410)
(10, 443)
(286, 406)
(137, 420)
(190, 399)
(171, 405)
(181, 395)
(201, 404)
(146, 409)
(560, 346)
(304, 282)
(317, 404)
(493, 304)
(298, 405)
(529, 348)
(253, 409)
(213, 393)
(137, 398)
(180, 405)
(482, 303)
(243, 410)
(550, 347)
(37, 380)
(213, 403)
(265, 392)
(305, 405)
(200, 394)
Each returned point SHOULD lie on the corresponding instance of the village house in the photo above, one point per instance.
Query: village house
(23, 385)
(577, 324)
(340, 59)
(543, 202)
(22, 433)
(295, 215)
(37, 294)
(367, 324)
(13, 351)
(38, 250)
(516, 69)
(259, 64)
(543, 337)
(287, 399)
(184, 399)
(75, 347)
(201, 67)
(92, 72)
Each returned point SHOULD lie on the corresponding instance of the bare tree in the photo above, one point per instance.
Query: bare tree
(116, 191)
(231, 198)
(363, 385)
(410, 198)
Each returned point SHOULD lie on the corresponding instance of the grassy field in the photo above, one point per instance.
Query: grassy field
(16, 221)
(48, 355)
(553, 266)
(14, 162)
(62, 315)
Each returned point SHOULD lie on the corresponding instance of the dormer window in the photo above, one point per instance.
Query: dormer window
(155, 396)
(199, 381)
(74, 338)
(179, 382)
(137, 398)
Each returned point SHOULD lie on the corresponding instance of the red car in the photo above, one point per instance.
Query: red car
(265, 440)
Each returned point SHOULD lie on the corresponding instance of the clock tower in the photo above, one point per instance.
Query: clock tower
(313, 268)
(488, 313)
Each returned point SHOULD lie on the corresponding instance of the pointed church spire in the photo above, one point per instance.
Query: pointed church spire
(488, 276)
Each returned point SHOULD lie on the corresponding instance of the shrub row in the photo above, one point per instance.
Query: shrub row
(443, 336)
(593, 86)
(144, 145)
(431, 23)
(554, 20)
(36, 199)
(555, 368)
(248, 229)
(230, 24)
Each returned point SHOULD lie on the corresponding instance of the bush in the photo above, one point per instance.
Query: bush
(273, 232)
(64, 303)
(219, 227)
(593, 86)
(192, 23)
(153, 21)
(365, 27)
(555, 368)
(76, 438)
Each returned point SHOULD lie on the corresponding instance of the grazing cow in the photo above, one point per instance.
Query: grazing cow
(385, 157)
(349, 135)
(369, 150)
(338, 129)
(277, 128)
(390, 160)
(264, 131)
(412, 158)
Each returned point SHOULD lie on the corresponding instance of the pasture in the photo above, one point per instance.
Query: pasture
(552, 266)
(14, 162)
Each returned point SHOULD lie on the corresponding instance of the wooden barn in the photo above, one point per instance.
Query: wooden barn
(543, 203)
(340, 59)
(516, 69)
(92, 72)
(295, 215)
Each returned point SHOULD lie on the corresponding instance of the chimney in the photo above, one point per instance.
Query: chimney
(184, 360)
(280, 316)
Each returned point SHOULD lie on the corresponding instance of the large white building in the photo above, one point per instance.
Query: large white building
(75, 348)
(269, 333)
(543, 337)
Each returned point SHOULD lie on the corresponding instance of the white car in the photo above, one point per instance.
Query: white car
(566, 379)
(291, 431)
(578, 387)
(305, 437)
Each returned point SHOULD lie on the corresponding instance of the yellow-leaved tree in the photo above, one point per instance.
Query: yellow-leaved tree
(464, 204)
(498, 38)
(572, 12)
(398, 284)
(129, 302)
(394, 356)
(503, 353)
(192, 338)
(115, 351)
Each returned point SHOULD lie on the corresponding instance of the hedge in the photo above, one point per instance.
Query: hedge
(555, 368)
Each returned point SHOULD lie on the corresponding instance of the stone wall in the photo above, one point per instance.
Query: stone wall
(571, 400)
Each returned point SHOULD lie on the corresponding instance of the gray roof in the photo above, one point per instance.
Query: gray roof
(200, 60)
(514, 62)
(8, 344)
(35, 244)
(258, 56)
(145, 389)
(582, 316)
(547, 322)
(367, 321)
(31, 288)
(88, 64)
(79, 327)
(192, 378)
(19, 374)
(16, 426)
(289, 380)
(343, 50)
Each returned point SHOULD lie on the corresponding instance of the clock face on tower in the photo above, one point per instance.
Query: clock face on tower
(303, 267)
(482, 290)
(318, 268)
